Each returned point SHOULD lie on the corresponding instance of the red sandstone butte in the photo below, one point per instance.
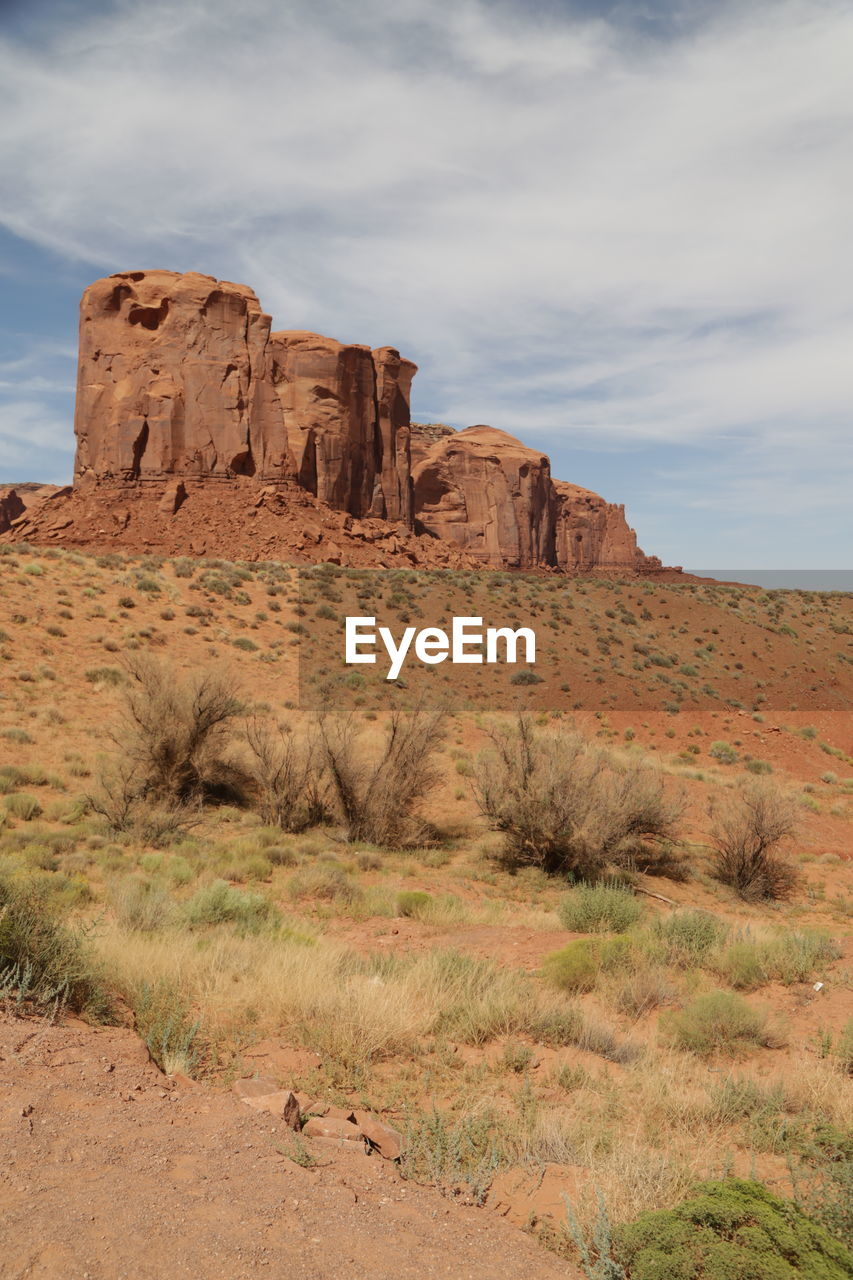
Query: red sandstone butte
(199, 430)
(489, 494)
(173, 381)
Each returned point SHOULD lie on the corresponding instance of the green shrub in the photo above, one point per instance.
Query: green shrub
(732, 1230)
(44, 963)
(792, 956)
(140, 905)
(23, 806)
(105, 675)
(525, 676)
(411, 902)
(220, 903)
(723, 752)
(599, 908)
(719, 1021)
(687, 937)
(577, 967)
(166, 1024)
(327, 881)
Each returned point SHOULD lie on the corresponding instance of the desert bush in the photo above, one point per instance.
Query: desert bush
(23, 806)
(165, 1021)
(378, 792)
(638, 990)
(327, 881)
(723, 752)
(727, 1231)
(450, 1153)
(140, 904)
(289, 775)
(792, 956)
(686, 938)
(411, 902)
(598, 908)
(220, 903)
(719, 1021)
(739, 1098)
(120, 799)
(176, 733)
(747, 834)
(567, 805)
(44, 963)
(578, 966)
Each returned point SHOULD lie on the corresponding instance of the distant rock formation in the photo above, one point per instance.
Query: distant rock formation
(183, 390)
(173, 381)
(494, 498)
(11, 507)
(180, 376)
(490, 495)
(593, 535)
(345, 411)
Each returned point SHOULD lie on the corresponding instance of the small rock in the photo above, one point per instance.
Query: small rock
(332, 1127)
(387, 1141)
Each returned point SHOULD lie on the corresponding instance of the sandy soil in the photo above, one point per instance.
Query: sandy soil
(110, 1171)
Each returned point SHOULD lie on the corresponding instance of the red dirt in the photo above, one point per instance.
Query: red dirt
(109, 1170)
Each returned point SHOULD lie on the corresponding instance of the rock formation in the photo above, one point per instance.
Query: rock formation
(11, 507)
(346, 414)
(196, 425)
(495, 499)
(488, 493)
(593, 535)
(180, 376)
(394, 499)
(173, 380)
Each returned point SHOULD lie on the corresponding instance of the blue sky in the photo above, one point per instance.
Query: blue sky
(620, 231)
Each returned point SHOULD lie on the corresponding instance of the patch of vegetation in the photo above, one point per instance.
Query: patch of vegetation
(578, 966)
(220, 903)
(44, 963)
(732, 1230)
(599, 908)
(718, 1022)
(568, 805)
(748, 832)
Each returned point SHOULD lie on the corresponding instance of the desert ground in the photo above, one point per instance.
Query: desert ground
(558, 1049)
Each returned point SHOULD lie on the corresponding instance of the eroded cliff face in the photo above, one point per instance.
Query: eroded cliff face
(11, 507)
(495, 499)
(594, 535)
(489, 494)
(181, 385)
(394, 496)
(173, 380)
(179, 376)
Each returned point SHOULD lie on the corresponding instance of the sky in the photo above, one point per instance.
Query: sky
(619, 231)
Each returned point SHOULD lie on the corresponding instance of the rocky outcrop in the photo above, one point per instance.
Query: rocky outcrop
(173, 381)
(11, 507)
(423, 435)
(346, 414)
(327, 396)
(490, 495)
(393, 494)
(179, 376)
(593, 535)
(182, 387)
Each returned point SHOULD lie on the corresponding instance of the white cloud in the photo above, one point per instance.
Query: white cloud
(571, 227)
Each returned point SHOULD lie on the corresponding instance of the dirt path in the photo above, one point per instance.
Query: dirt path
(110, 1172)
